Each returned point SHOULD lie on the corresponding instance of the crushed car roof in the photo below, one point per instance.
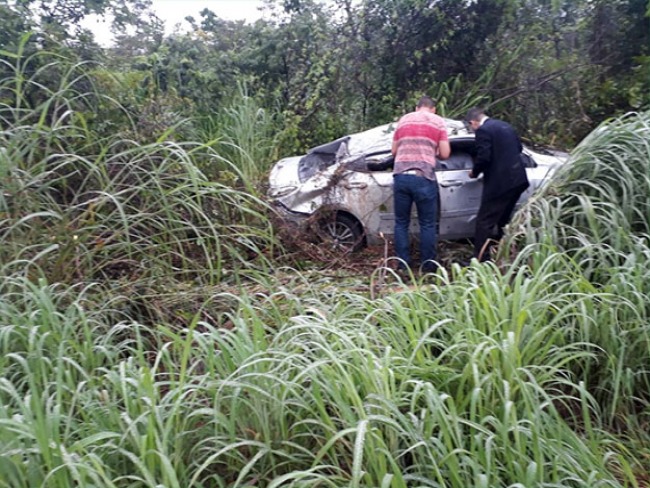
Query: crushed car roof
(381, 138)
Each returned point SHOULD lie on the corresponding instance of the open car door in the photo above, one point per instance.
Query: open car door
(460, 195)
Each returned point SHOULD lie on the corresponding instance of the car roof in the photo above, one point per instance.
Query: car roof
(380, 138)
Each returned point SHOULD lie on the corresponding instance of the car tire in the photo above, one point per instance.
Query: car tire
(343, 233)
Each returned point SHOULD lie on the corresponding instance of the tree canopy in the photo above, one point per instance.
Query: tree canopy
(555, 68)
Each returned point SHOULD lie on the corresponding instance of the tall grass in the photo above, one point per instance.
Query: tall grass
(79, 209)
(535, 375)
(433, 387)
(244, 134)
(600, 199)
(597, 211)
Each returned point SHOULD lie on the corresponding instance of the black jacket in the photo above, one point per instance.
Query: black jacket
(498, 157)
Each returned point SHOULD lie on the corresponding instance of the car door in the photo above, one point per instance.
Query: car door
(383, 220)
(460, 195)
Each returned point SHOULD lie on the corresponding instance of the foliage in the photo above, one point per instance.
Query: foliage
(78, 208)
(475, 381)
(148, 338)
(548, 80)
(243, 135)
(555, 69)
(602, 195)
(534, 376)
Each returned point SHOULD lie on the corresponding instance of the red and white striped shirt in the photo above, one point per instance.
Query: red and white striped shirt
(417, 137)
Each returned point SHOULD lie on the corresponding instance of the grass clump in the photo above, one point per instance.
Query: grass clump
(598, 205)
(596, 213)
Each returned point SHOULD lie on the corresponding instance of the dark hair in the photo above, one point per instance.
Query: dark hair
(426, 101)
(474, 114)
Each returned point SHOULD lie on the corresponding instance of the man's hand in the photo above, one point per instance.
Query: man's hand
(472, 174)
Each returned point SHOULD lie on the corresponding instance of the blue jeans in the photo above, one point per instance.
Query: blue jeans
(409, 189)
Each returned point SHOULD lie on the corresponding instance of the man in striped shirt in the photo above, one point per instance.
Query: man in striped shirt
(419, 141)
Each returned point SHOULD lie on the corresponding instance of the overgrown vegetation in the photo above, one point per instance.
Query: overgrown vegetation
(323, 69)
(153, 333)
(76, 208)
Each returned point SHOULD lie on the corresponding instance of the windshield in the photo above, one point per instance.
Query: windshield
(320, 157)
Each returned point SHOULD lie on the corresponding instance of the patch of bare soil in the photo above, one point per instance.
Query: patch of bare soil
(372, 257)
(307, 247)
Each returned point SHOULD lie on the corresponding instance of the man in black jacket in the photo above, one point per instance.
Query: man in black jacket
(498, 158)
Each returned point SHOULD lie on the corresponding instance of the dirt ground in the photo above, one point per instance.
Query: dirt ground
(370, 258)
(308, 248)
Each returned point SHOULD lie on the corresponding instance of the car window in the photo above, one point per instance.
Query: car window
(456, 161)
(379, 161)
(461, 157)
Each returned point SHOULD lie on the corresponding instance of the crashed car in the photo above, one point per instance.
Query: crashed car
(332, 186)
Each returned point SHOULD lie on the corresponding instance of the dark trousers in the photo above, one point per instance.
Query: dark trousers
(407, 190)
(492, 217)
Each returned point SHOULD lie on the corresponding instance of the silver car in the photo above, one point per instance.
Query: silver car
(330, 185)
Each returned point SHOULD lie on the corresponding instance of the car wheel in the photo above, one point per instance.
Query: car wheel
(343, 233)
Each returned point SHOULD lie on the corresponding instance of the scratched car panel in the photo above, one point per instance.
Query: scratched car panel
(334, 177)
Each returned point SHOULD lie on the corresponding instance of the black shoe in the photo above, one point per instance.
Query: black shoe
(405, 274)
(429, 268)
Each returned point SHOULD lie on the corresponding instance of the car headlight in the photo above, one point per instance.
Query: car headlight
(282, 191)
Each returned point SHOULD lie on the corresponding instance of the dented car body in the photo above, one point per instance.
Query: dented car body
(333, 180)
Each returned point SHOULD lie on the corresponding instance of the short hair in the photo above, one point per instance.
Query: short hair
(475, 113)
(426, 101)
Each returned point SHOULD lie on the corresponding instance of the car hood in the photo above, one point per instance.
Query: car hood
(283, 178)
(302, 197)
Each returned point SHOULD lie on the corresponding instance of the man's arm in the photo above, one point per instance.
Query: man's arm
(444, 149)
(483, 153)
